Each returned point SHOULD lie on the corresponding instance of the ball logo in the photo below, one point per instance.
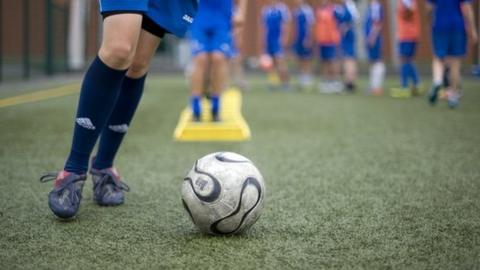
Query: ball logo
(201, 183)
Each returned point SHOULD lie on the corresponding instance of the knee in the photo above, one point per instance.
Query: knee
(118, 55)
(138, 68)
(201, 60)
(217, 58)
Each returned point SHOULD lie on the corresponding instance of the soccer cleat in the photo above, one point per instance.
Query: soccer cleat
(453, 99)
(400, 93)
(433, 94)
(108, 189)
(64, 199)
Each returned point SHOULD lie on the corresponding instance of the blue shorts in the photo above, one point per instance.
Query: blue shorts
(274, 49)
(449, 43)
(407, 49)
(211, 38)
(375, 52)
(347, 45)
(348, 49)
(301, 51)
(173, 16)
(328, 52)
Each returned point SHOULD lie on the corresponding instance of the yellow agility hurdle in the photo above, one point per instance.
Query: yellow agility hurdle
(232, 126)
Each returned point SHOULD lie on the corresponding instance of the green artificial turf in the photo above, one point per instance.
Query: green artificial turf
(352, 182)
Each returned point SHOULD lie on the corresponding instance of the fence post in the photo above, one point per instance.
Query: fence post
(49, 65)
(1, 40)
(26, 39)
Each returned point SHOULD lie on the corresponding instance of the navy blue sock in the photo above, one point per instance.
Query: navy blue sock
(404, 72)
(99, 92)
(196, 106)
(119, 121)
(215, 105)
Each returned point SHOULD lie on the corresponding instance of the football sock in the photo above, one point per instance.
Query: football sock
(196, 106)
(404, 74)
(215, 104)
(117, 125)
(377, 74)
(99, 92)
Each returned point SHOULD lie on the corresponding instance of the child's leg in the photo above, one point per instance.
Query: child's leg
(101, 86)
(127, 103)
(219, 78)
(198, 78)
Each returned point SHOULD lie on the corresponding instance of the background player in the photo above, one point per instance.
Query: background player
(328, 39)
(110, 93)
(347, 15)
(303, 44)
(211, 45)
(275, 16)
(373, 37)
(451, 20)
(408, 34)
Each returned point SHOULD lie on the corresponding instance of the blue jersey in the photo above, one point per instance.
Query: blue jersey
(304, 20)
(447, 15)
(274, 16)
(347, 16)
(373, 16)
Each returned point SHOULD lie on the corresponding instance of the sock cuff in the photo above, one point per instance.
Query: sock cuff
(100, 63)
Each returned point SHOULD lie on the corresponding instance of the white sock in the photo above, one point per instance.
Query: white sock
(377, 75)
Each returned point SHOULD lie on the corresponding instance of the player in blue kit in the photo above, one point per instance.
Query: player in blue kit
(373, 37)
(452, 20)
(347, 16)
(110, 93)
(276, 17)
(211, 36)
(303, 44)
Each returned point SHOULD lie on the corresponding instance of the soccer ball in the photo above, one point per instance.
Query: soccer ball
(266, 62)
(223, 193)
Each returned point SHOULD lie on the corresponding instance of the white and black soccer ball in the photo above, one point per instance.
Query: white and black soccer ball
(223, 193)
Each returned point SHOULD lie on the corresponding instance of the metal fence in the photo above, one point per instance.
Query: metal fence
(32, 38)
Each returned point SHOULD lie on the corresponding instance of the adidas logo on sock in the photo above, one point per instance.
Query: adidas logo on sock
(85, 123)
(119, 128)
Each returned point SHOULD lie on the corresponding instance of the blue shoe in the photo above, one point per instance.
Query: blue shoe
(433, 94)
(64, 199)
(108, 189)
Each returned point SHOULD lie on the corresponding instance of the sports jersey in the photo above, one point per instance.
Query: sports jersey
(347, 15)
(174, 16)
(373, 17)
(274, 16)
(326, 28)
(304, 19)
(408, 27)
(447, 15)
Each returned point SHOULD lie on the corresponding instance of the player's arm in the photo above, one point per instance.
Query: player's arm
(469, 16)
(409, 9)
(376, 29)
(285, 27)
(241, 14)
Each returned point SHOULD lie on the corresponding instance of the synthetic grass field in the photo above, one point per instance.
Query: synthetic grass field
(352, 182)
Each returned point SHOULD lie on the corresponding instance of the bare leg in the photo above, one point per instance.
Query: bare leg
(219, 72)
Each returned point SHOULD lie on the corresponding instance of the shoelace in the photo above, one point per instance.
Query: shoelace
(64, 184)
(109, 179)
